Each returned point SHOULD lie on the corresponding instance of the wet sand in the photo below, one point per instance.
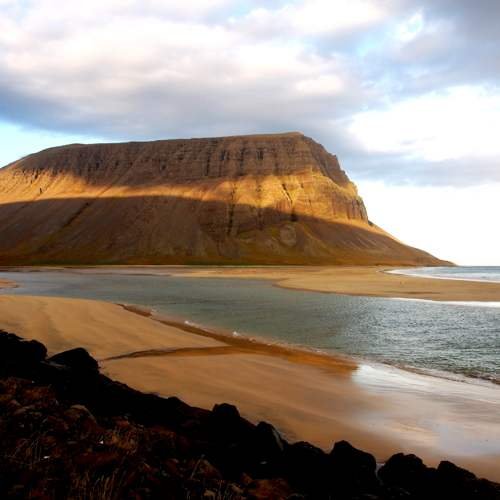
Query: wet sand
(7, 284)
(308, 397)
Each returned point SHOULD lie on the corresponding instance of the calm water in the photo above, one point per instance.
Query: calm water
(459, 339)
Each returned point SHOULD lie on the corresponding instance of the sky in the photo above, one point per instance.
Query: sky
(405, 92)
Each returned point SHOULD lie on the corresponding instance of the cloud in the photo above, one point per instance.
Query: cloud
(314, 17)
(386, 85)
(461, 122)
(164, 76)
(451, 222)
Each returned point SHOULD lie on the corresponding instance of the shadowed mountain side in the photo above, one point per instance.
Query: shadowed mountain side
(179, 230)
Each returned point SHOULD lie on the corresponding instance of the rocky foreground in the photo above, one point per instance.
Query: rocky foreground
(67, 431)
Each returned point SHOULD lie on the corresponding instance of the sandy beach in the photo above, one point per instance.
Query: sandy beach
(369, 281)
(380, 409)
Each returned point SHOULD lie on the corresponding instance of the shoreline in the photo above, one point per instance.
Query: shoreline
(370, 281)
(306, 354)
(272, 274)
(254, 345)
(380, 409)
(245, 342)
(366, 281)
(398, 272)
(8, 284)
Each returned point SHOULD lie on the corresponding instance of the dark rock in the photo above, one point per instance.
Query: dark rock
(203, 469)
(269, 440)
(352, 469)
(18, 356)
(164, 444)
(268, 489)
(82, 420)
(234, 491)
(449, 472)
(233, 449)
(460, 484)
(12, 406)
(265, 452)
(77, 413)
(245, 479)
(68, 432)
(77, 359)
(408, 473)
(104, 459)
(307, 468)
(55, 425)
(225, 419)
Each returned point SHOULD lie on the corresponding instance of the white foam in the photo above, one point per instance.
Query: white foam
(458, 277)
(451, 302)
(190, 323)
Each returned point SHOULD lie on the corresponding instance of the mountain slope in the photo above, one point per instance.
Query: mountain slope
(267, 199)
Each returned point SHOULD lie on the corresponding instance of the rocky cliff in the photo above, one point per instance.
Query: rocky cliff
(263, 199)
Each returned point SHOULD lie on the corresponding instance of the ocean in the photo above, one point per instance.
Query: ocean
(468, 273)
(453, 340)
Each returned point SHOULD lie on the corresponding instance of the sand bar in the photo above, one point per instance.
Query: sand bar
(380, 409)
(368, 281)
(372, 281)
(7, 284)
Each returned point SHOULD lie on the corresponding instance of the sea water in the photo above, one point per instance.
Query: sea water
(467, 273)
(445, 339)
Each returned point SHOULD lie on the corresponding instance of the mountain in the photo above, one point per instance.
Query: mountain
(260, 199)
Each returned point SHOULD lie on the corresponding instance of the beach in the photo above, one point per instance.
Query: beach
(370, 281)
(310, 397)
(7, 284)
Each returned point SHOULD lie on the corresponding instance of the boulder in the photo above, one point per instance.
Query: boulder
(352, 469)
(460, 484)
(307, 468)
(409, 473)
(77, 359)
(18, 356)
(265, 451)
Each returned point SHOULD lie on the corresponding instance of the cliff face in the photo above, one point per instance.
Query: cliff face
(270, 199)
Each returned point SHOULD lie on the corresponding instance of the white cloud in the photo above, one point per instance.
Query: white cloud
(454, 223)
(322, 85)
(160, 68)
(459, 122)
(410, 28)
(314, 17)
(152, 69)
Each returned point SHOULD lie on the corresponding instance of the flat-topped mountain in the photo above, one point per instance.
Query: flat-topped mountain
(260, 199)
